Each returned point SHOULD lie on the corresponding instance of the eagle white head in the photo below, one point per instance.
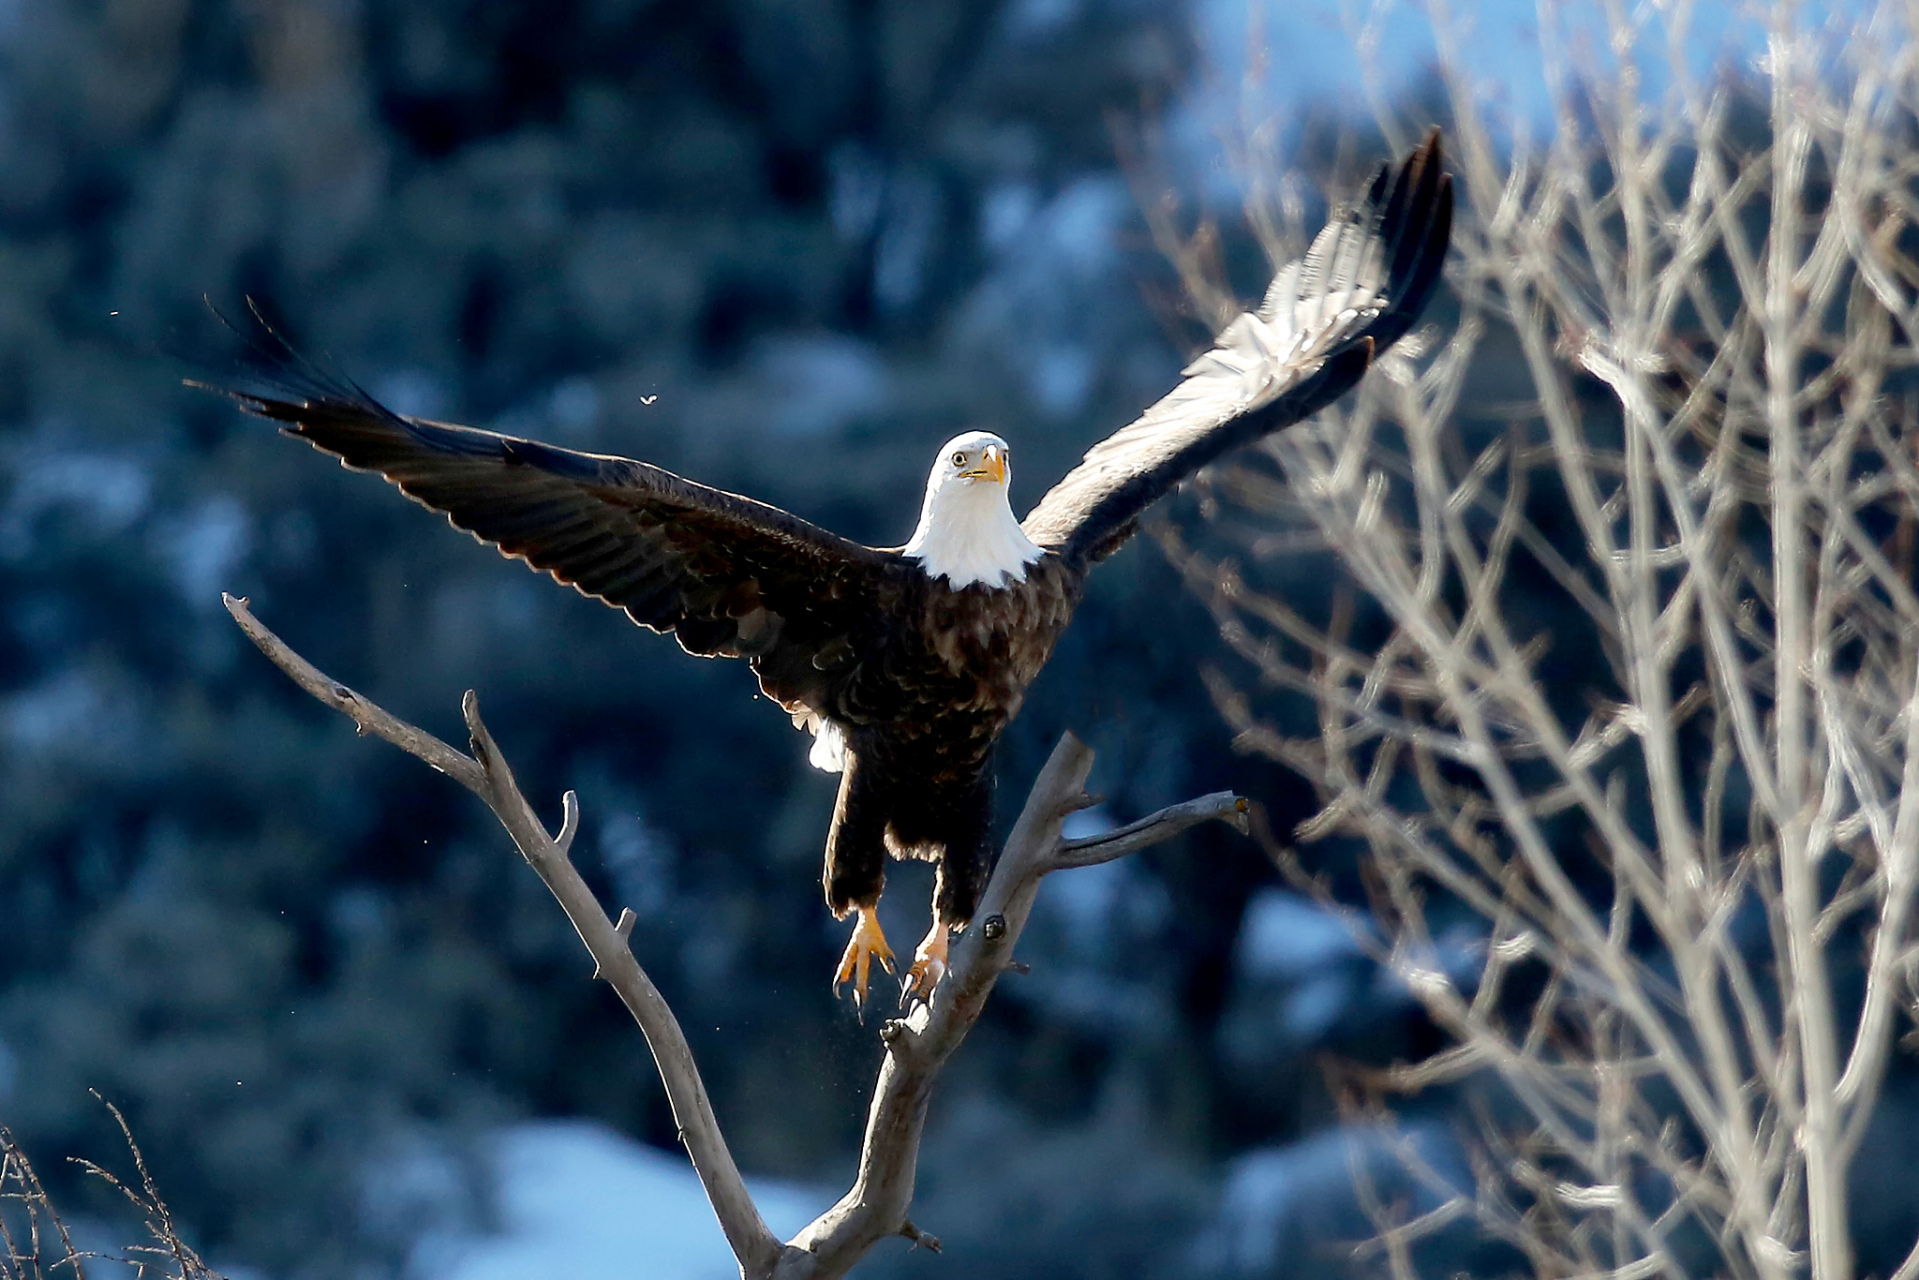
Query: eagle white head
(967, 532)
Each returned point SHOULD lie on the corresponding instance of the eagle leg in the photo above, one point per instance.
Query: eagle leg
(867, 942)
(929, 964)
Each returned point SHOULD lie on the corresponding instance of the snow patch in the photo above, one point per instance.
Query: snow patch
(1286, 937)
(107, 492)
(580, 1202)
(72, 713)
(1291, 1202)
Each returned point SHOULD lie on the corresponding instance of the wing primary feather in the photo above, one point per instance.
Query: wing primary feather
(674, 554)
(1361, 284)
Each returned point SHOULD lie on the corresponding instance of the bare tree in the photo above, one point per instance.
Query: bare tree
(917, 1045)
(1691, 856)
(35, 1243)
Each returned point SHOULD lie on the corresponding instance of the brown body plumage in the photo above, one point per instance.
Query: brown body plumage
(914, 658)
(948, 671)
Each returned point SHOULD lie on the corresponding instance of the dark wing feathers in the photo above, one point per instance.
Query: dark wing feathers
(736, 577)
(1360, 287)
(729, 575)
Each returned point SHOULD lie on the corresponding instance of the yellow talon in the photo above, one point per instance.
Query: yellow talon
(867, 942)
(929, 964)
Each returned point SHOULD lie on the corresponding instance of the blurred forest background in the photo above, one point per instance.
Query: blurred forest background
(782, 246)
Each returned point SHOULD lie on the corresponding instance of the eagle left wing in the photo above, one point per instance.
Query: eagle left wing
(729, 576)
(1360, 287)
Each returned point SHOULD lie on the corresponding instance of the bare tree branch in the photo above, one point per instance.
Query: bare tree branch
(1635, 675)
(486, 774)
(917, 1045)
(1090, 851)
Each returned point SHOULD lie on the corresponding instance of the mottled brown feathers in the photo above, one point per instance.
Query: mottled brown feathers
(920, 677)
(916, 677)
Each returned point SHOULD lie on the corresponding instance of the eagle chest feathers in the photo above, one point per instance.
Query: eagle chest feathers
(996, 638)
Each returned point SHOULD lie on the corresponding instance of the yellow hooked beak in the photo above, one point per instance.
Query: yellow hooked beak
(992, 466)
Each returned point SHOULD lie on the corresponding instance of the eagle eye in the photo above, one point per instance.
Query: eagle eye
(959, 459)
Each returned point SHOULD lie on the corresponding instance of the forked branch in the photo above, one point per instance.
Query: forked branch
(486, 774)
(917, 1046)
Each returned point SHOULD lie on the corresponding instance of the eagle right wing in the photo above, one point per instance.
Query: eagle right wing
(1360, 287)
(730, 576)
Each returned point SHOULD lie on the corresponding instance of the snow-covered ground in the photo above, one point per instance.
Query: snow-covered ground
(577, 1201)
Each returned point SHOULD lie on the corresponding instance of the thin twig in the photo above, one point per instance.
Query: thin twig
(1088, 851)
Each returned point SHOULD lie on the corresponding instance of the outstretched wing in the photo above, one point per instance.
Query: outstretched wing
(731, 576)
(1360, 287)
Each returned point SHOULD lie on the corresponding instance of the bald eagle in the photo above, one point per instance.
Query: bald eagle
(904, 662)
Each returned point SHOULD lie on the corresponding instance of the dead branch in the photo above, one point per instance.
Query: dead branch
(168, 1249)
(35, 1243)
(1090, 851)
(485, 773)
(39, 1246)
(917, 1046)
(1661, 621)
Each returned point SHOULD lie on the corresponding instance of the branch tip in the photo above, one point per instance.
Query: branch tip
(569, 823)
(470, 712)
(477, 736)
(367, 717)
(1222, 806)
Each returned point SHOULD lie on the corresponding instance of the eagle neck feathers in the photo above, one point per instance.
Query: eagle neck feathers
(967, 534)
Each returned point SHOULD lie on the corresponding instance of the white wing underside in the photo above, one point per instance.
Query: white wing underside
(1261, 354)
(1313, 306)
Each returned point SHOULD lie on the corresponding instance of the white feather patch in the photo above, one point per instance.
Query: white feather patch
(967, 531)
(829, 747)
